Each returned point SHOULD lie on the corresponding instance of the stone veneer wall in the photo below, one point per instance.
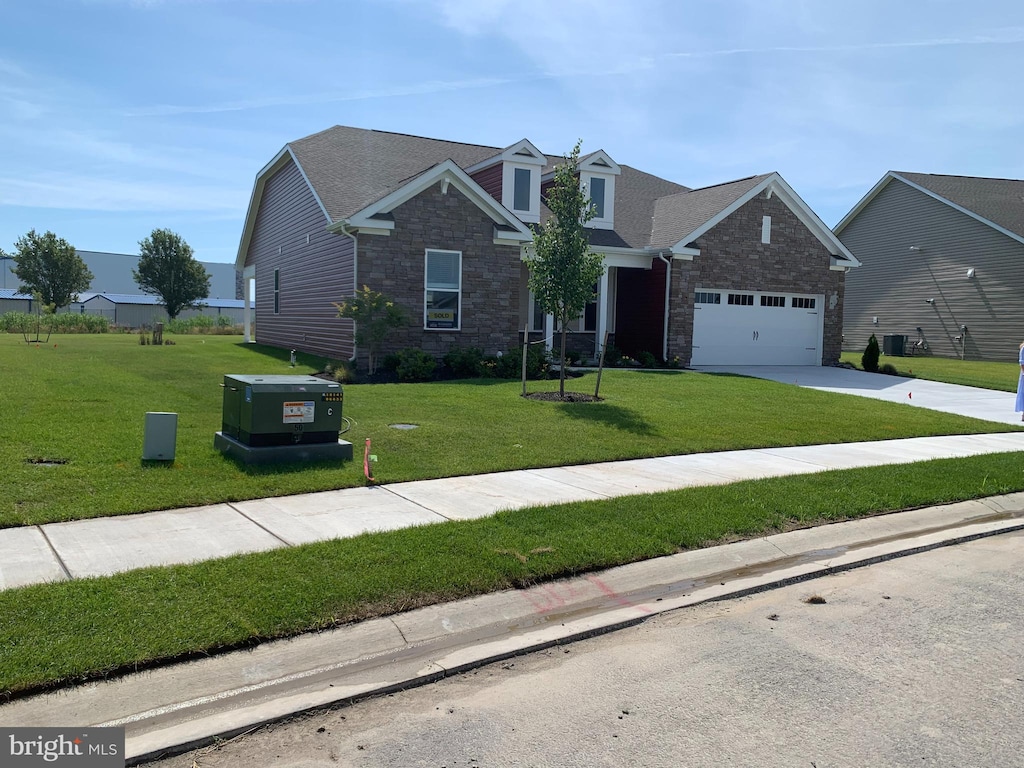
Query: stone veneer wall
(395, 265)
(733, 256)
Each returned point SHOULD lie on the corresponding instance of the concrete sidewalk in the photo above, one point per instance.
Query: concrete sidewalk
(183, 706)
(103, 546)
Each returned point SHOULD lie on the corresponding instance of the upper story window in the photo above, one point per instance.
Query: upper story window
(277, 291)
(597, 175)
(522, 189)
(597, 186)
(766, 229)
(442, 294)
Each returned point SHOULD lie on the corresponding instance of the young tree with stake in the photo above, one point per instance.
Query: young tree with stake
(563, 269)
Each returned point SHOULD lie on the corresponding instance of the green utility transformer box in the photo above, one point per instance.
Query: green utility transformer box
(273, 418)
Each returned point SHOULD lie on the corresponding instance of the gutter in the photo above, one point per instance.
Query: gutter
(668, 283)
(342, 228)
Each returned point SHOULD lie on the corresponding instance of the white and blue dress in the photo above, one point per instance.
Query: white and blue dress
(1019, 407)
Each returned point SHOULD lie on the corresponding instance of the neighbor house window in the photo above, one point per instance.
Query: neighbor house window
(443, 290)
(773, 301)
(597, 196)
(802, 303)
(590, 313)
(536, 314)
(742, 299)
(521, 189)
(277, 291)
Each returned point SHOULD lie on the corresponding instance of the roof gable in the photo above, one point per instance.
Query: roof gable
(377, 216)
(694, 213)
(998, 203)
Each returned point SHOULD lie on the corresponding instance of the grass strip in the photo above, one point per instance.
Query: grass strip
(969, 373)
(67, 632)
(80, 405)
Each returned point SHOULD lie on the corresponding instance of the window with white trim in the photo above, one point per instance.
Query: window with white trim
(766, 229)
(522, 182)
(773, 301)
(597, 189)
(742, 299)
(277, 291)
(707, 297)
(442, 294)
(799, 302)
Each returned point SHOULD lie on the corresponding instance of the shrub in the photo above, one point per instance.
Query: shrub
(510, 364)
(612, 356)
(869, 360)
(340, 370)
(647, 360)
(375, 316)
(465, 363)
(415, 365)
(390, 362)
(890, 369)
(66, 322)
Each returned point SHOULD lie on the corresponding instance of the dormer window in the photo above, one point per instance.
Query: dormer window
(521, 191)
(597, 196)
(597, 175)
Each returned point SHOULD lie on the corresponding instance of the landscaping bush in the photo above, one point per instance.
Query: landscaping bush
(510, 364)
(869, 360)
(204, 324)
(647, 360)
(415, 365)
(390, 362)
(890, 369)
(612, 356)
(340, 370)
(465, 363)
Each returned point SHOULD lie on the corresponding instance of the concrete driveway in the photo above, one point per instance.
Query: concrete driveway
(986, 404)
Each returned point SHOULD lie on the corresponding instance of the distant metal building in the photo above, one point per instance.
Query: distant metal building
(12, 301)
(136, 311)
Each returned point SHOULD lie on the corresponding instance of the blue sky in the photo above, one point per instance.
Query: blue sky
(119, 116)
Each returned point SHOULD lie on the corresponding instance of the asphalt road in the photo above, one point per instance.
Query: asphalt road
(914, 662)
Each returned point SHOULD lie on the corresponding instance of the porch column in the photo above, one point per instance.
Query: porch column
(602, 312)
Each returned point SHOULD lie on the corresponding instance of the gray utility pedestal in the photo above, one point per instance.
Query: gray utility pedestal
(160, 436)
(272, 419)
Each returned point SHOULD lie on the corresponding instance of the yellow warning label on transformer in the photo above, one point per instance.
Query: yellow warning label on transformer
(299, 412)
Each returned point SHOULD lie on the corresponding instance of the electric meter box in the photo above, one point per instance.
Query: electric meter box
(262, 411)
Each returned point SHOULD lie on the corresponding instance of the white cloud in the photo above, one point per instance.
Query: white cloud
(94, 193)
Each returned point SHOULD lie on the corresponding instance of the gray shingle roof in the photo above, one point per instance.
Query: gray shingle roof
(352, 167)
(1001, 201)
(676, 216)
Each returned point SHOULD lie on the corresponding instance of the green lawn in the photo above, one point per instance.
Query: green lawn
(971, 373)
(82, 399)
(67, 632)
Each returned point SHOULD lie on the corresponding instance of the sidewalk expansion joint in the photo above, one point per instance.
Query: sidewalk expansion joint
(400, 632)
(261, 526)
(396, 494)
(56, 554)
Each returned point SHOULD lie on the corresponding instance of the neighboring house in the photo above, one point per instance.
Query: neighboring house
(135, 311)
(738, 273)
(943, 265)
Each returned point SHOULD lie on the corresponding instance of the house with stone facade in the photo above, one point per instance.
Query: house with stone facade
(943, 265)
(737, 273)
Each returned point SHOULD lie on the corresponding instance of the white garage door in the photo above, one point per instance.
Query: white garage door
(756, 328)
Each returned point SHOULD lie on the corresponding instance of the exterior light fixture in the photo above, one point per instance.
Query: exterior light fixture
(970, 273)
(929, 301)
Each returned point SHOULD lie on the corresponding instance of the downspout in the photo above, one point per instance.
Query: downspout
(668, 283)
(343, 228)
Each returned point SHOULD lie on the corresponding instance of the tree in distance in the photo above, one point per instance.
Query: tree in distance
(49, 266)
(168, 269)
(563, 269)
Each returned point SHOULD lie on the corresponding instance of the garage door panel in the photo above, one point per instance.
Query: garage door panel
(774, 334)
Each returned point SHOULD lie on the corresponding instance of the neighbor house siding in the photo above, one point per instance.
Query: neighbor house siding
(313, 274)
(395, 265)
(894, 282)
(733, 256)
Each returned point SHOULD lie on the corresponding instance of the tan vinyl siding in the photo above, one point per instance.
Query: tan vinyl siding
(313, 274)
(894, 282)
